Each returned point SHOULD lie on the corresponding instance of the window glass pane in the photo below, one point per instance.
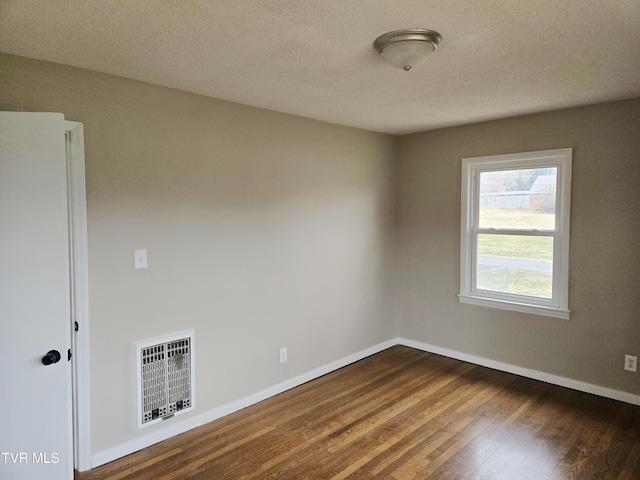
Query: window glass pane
(524, 198)
(517, 264)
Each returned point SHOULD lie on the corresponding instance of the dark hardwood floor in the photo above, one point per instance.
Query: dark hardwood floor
(405, 414)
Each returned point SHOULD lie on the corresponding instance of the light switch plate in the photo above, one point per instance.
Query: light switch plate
(140, 258)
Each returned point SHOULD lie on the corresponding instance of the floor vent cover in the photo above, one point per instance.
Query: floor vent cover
(165, 376)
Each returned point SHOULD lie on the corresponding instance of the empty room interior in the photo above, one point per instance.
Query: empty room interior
(426, 269)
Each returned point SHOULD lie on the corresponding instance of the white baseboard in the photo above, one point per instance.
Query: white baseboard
(526, 372)
(145, 441)
(190, 423)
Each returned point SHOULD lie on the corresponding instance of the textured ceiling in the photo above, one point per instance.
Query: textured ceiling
(498, 58)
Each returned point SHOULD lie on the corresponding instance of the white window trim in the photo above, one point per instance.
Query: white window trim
(558, 306)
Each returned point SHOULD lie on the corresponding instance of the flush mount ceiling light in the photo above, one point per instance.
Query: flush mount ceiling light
(407, 48)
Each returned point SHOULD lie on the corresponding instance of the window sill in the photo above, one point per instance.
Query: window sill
(515, 307)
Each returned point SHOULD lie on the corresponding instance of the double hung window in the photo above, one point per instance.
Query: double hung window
(514, 242)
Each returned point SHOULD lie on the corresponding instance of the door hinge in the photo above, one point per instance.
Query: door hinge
(69, 355)
(75, 326)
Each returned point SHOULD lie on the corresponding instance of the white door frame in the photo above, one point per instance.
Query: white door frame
(77, 204)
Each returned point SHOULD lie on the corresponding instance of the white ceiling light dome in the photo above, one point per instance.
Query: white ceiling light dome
(407, 48)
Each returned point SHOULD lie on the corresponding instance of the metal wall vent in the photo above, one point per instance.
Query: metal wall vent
(165, 376)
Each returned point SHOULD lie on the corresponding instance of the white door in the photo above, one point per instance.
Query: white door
(35, 400)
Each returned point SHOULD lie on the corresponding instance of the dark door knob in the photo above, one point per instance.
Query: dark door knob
(52, 356)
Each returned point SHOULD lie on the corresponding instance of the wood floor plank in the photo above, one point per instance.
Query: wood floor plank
(484, 453)
(331, 421)
(432, 420)
(138, 467)
(484, 412)
(521, 450)
(404, 414)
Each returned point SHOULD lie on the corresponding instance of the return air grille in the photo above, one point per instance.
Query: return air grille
(165, 377)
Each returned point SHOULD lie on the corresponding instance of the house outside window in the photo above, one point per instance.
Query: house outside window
(514, 245)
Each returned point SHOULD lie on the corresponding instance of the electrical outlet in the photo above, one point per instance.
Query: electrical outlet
(630, 363)
(283, 354)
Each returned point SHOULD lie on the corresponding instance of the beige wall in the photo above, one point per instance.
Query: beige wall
(267, 230)
(263, 230)
(604, 252)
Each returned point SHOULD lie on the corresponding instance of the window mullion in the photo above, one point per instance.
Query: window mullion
(506, 231)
